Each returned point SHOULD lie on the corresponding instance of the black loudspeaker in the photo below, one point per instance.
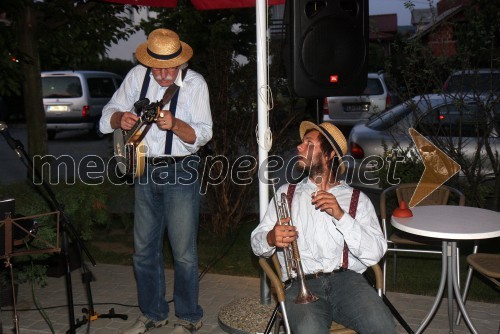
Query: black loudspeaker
(327, 47)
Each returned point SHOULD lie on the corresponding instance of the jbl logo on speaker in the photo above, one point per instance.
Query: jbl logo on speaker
(326, 49)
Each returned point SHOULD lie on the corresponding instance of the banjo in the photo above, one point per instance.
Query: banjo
(129, 150)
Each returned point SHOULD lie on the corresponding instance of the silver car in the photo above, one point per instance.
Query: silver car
(348, 110)
(451, 123)
(477, 80)
(73, 100)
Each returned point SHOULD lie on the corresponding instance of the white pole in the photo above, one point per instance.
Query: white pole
(262, 103)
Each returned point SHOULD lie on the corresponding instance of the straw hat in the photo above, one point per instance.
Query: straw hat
(163, 49)
(334, 136)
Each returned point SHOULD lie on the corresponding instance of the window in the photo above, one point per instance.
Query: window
(101, 87)
(399, 113)
(474, 82)
(373, 87)
(61, 87)
(455, 120)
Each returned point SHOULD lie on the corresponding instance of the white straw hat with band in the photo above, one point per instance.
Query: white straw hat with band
(334, 136)
(163, 49)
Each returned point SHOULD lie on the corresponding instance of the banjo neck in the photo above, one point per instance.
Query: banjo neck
(147, 116)
(128, 135)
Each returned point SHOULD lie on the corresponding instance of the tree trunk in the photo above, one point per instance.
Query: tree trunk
(32, 83)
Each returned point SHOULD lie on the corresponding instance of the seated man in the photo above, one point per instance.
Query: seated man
(338, 236)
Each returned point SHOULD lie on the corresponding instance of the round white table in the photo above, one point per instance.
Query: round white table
(450, 223)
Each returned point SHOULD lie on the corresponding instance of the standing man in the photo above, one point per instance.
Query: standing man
(167, 196)
(335, 248)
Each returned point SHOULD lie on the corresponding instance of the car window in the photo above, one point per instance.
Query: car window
(474, 82)
(61, 87)
(101, 87)
(373, 87)
(456, 120)
(385, 120)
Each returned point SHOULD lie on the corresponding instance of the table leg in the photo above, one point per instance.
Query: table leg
(439, 294)
(467, 282)
(456, 287)
(449, 259)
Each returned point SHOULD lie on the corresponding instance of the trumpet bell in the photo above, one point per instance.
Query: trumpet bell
(306, 299)
(304, 296)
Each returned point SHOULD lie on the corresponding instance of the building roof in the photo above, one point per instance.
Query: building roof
(385, 22)
(383, 27)
(440, 19)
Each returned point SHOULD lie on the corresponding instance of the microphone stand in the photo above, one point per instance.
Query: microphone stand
(66, 226)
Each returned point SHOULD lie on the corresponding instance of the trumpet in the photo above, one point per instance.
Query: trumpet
(291, 254)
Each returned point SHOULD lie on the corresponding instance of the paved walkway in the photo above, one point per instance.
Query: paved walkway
(114, 287)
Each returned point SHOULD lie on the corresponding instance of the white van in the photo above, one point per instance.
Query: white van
(73, 100)
(349, 110)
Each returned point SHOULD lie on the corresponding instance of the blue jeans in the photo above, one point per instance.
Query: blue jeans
(167, 199)
(345, 298)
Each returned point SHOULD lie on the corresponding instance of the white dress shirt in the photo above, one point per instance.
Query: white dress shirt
(193, 107)
(321, 237)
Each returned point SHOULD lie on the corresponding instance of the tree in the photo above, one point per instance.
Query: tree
(230, 170)
(57, 34)
(419, 72)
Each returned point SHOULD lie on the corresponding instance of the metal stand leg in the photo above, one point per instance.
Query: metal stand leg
(384, 273)
(450, 287)
(391, 307)
(467, 283)
(285, 318)
(280, 306)
(439, 294)
(457, 289)
(14, 301)
(272, 320)
(395, 264)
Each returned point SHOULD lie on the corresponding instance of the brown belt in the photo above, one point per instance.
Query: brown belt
(322, 273)
(317, 275)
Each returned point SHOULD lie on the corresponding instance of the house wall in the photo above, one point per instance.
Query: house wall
(442, 41)
(444, 5)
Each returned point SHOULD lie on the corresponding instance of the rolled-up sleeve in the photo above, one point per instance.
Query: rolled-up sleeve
(123, 99)
(363, 235)
(258, 238)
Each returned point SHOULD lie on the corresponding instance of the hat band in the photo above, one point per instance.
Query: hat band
(165, 57)
(332, 140)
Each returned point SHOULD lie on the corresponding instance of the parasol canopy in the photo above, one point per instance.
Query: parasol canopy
(198, 4)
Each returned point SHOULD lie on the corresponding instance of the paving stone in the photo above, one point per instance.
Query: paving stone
(114, 287)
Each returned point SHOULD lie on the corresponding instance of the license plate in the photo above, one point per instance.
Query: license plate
(356, 108)
(57, 108)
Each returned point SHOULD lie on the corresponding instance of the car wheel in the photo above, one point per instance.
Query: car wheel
(51, 134)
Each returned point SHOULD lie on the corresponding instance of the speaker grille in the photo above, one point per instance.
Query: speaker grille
(331, 48)
(328, 47)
